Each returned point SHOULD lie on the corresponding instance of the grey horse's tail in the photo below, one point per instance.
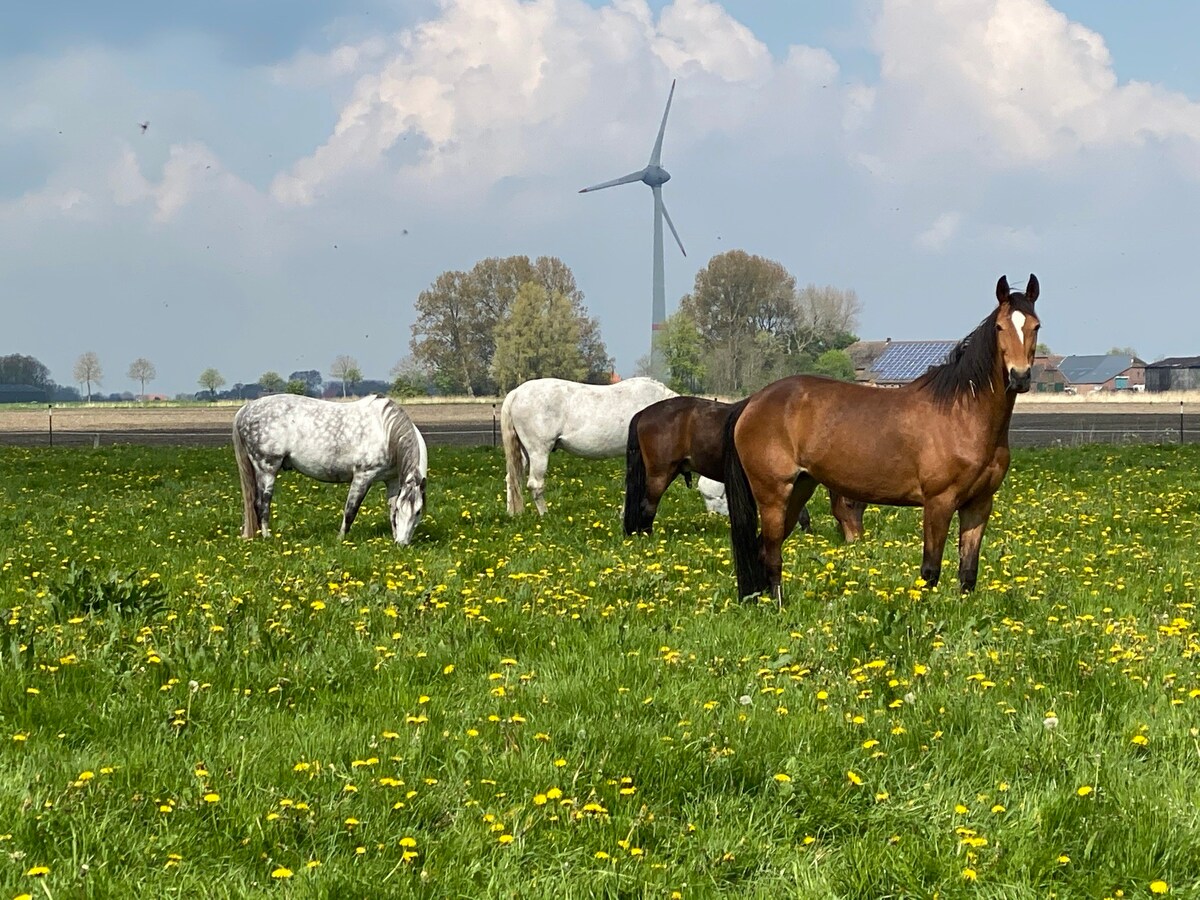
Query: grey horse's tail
(250, 522)
(514, 458)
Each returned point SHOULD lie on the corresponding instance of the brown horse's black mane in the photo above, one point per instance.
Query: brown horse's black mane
(969, 366)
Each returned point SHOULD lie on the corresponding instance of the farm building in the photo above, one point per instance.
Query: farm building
(893, 363)
(1175, 373)
(1046, 378)
(1111, 372)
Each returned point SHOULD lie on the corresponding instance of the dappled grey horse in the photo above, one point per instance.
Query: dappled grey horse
(362, 442)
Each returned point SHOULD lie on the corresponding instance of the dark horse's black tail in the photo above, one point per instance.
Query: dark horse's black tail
(743, 516)
(635, 482)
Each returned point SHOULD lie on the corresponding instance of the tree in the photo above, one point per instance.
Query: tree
(835, 364)
(271, 382)
(735, 297)
(539, 339)
(683, 351)
(345, 368)
(1043, 349)
(212, 381)
(1122, 351)
(312, 381)
(455, 335)
(142, 370)
(18, 369)
(297, 386)
(409, 379)
(88, 371)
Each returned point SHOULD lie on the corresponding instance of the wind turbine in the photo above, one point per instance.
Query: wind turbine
(655, 176)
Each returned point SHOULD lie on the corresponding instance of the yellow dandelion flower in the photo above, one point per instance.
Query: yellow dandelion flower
(783, 777)
(854, 777)
(960, 809)
(506, 839)
(1140, 739)
(282, 872)
(38, 872)
(408, 842)
(969, 874)
(1084, 790)
(212, 797)
(1159, 887)
(539, 799)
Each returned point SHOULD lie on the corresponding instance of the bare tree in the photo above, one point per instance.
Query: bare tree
(142, 370)
(88, 371)
(827, 314)
(345, 369)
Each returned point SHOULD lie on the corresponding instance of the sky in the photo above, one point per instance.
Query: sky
(309, 168)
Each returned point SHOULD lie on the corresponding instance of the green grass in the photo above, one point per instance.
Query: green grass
(545, 708)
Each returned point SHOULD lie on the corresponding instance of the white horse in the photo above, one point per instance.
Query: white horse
(589, 420)
(363, 442)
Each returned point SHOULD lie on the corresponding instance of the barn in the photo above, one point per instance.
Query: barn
(1175, 373)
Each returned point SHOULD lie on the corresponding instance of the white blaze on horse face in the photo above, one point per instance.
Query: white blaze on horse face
(1018, 320)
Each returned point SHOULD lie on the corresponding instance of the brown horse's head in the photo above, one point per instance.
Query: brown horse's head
(1017, 332)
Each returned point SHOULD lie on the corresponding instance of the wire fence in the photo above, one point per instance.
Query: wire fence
(1050, 430)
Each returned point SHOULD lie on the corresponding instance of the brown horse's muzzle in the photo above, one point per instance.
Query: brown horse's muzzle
(1019, 381)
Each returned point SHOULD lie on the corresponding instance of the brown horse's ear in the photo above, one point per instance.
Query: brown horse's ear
(1031, 288)
(1002, 290)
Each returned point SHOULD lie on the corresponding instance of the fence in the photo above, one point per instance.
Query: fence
(1027, 430)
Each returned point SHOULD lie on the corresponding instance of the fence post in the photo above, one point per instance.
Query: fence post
(50, 421)
(493, 424)
(1181, 421)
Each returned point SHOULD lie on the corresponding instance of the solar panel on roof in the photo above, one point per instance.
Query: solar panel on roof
(907, 360)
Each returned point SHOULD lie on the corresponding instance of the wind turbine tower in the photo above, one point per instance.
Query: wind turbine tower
(655, 176)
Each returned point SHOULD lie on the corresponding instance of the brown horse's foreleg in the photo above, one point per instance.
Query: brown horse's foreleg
(938, 513)
(972, 522)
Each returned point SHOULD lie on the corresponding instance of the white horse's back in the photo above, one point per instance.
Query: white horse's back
(588, 420)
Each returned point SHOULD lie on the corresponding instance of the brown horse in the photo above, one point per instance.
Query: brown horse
(940, 443)
(682, 435)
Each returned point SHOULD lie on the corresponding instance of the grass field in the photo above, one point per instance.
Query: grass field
(525, 708)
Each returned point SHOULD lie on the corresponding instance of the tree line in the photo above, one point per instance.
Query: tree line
(506, 320)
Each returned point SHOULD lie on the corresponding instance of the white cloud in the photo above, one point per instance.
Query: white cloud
(937, 235)
(1010, 82)
(493, 88)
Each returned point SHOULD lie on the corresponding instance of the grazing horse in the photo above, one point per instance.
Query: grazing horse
(546, 414)
(363, 442)
(682, 435)
(940, 442)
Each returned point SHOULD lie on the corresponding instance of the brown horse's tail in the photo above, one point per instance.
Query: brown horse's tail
(743, 516)
(250, 522)
(514, 457)
(635, 481)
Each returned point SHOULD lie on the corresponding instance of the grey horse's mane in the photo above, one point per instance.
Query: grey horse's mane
(402, 434)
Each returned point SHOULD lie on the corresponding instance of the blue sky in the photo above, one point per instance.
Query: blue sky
(309, 168)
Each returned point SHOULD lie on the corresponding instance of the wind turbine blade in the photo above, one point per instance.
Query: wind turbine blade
(656, 153)
(662, 207)
(624, 179)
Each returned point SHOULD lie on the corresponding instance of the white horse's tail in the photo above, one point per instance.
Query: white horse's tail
(514, 458)
(250, 522)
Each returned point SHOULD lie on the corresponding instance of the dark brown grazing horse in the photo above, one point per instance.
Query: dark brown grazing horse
(940, 442)
(682, 435)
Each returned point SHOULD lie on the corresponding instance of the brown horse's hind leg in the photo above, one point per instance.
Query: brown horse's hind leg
(972, 522)
(656, 485)
(849, 514)
(938, 513)
(780, 511)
